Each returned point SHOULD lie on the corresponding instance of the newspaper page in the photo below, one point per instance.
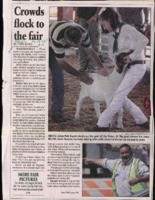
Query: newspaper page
(78, 118)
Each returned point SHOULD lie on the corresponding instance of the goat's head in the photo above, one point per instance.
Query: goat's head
(108, 65)
(120, 62)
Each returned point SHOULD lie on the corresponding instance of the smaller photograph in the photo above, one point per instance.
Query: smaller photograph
(115, 170)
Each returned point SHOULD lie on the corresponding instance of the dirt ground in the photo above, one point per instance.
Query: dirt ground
(140, 95)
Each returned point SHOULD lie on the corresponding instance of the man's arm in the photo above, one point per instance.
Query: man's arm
(88, 161)
(144, 178)
(95, 16)
(146, 14)
(143, 174)
(84, 77)
(76, 19)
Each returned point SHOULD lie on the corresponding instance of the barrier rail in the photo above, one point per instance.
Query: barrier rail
(96, 187)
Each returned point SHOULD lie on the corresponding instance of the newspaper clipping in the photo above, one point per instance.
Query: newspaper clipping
(78, 118)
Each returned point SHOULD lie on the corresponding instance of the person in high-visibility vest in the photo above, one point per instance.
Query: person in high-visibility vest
(130, 175)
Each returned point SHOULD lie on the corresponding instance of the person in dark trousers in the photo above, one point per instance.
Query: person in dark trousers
(87, 17)
(64, 35)
(134, 17)
(130, 175)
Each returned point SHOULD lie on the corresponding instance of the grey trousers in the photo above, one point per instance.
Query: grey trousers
(93, 29)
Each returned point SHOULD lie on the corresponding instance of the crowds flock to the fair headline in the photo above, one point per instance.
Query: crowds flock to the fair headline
(29, 24)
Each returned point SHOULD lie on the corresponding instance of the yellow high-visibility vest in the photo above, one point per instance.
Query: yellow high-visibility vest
(135, 188)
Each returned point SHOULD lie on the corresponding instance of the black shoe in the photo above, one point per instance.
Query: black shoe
(99, 129)
(145, 125)
(58, 118)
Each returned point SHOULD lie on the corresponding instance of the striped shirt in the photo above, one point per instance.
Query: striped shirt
(57, 41)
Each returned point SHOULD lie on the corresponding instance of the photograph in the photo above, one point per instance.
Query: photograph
(115, 170)
(99, 69)
(77, 88)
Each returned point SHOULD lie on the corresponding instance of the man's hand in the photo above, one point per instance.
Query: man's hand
(94, 18)
(86, 161)
(134, 181)
(84, 77)
(144, 178)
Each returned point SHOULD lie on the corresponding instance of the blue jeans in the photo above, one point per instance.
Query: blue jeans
(57, 85)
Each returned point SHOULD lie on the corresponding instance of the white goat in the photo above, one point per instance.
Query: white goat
(102, 90)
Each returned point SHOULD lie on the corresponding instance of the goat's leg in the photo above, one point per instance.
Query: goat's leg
(79, 103)
(78, 108)
(108, 101)
(97, 109)
(112, 124)
(120, 119)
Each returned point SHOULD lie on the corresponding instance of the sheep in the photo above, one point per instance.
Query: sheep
(102, 90)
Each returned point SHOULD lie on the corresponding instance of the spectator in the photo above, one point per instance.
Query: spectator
(134, 16)
(87, 17)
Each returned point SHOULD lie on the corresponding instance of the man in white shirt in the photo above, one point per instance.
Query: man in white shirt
(129, 174)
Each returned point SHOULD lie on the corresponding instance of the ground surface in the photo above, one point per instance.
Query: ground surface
(140, 96)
